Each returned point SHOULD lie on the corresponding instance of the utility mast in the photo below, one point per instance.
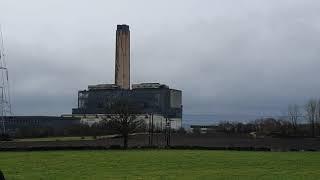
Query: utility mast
(5, 104)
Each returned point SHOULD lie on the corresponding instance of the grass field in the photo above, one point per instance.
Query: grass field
(160, 164)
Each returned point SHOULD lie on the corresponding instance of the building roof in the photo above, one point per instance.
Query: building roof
(102, 86)
(149, 86)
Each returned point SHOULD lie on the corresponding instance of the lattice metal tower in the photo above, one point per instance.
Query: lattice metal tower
(5, 104)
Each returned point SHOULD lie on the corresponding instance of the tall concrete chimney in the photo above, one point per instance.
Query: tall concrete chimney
(122, 69)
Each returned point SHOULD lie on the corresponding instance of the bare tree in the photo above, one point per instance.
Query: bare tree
(124, 119)
(294, 113)
(311, 113)
(317, 121)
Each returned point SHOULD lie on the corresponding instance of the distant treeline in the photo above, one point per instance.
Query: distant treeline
(301, 121)
(261, 127)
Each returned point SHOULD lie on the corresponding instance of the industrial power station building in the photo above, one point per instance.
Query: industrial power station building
(156, 100)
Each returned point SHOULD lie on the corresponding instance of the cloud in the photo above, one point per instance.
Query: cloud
(226, 56)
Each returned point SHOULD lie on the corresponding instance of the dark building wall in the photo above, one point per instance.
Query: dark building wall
(152, 100)
(97, 101)
(13, 122)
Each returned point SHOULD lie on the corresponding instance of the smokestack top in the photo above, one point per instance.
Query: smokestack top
(123, 27)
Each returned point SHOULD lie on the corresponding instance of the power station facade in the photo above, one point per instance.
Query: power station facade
(154, 99)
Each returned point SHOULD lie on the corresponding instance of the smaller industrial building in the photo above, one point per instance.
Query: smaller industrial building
(203, 129)
(13, 123)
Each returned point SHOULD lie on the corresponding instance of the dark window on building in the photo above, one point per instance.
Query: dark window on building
(100, 105)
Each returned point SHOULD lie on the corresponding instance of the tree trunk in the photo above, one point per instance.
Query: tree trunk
(313, 129)
(125, 141)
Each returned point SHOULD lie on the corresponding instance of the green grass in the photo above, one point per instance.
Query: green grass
(160, 164)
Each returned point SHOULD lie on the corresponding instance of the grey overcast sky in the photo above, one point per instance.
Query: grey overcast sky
(228, 56)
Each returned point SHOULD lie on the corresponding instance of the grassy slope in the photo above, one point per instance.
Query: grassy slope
(162, 164)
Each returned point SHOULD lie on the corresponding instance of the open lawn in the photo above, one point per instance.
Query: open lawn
(160, 164)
